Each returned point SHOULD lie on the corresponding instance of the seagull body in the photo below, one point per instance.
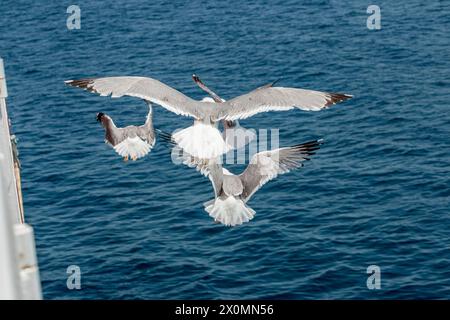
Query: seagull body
(132, 141)
(232, 192)
(203, 139)
(233, 134)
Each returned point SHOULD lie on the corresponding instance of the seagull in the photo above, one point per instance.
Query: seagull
(132, 141)
(234, 135)
(232, 192)
(203, 139)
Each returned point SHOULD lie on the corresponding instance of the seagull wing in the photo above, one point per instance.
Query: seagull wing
(144, 88)
(135, 142)
(267, 165)
(215, 175)
(209, 168)
(268, 98)
(146, 132)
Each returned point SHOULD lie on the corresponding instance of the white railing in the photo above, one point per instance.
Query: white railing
(19, 273)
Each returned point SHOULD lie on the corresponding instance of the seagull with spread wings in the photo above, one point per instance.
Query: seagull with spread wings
(203, 139)
(132, 141)
(234, 135)
(232, 192)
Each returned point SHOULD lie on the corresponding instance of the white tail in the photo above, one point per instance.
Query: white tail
(229, 211)
(201, 140)
(133, 147)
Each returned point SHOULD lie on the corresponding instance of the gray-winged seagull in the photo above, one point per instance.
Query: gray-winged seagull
(203, 139)
(132, 141)
(234, 135)
(232, 192)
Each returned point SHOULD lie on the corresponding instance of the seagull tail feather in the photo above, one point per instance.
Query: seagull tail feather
(230, 211)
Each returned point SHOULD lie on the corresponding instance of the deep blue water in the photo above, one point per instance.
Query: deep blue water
(377, 192)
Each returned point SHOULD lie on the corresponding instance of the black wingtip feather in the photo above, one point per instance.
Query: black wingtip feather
(310, 145)
(308, 148)
(165, 136)
(81, 83)
(334, 98)
(268, 85)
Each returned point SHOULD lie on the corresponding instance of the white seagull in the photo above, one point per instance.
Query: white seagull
(132, 141)
(232, 192)
(203, 139)
(234, 135)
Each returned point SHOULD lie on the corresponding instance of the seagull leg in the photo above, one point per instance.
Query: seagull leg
(134, 158)
(125, 159)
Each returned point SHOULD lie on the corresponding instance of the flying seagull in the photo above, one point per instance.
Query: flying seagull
(203, 139)
(232, 192)
(234, 135)
(132, 141)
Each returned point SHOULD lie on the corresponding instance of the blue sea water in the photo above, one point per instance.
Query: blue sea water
(377, 193)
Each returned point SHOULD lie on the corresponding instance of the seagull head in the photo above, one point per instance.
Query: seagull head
(99, 117)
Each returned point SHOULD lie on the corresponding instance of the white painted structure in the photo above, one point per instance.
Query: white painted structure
(19, 273)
